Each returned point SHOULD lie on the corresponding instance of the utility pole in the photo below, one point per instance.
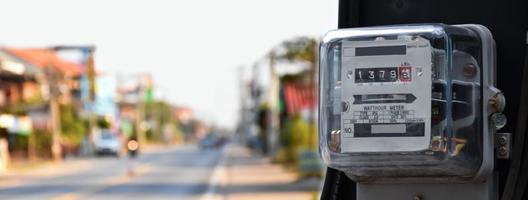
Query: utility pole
(31, 146)
(140, 115)
(56, 132)
(273, 98)
(89, 66)
(313, 86)
(241, 121)
(140, 110)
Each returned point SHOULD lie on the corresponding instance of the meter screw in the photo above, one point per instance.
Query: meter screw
(344, 106)
(499, 120)
(497, 101)
(350, 74)
(503, 151)
(503, 140)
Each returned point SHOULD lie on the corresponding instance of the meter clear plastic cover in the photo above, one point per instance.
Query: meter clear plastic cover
(402, 101)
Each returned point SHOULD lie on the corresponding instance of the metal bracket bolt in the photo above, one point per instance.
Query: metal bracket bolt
(503, 145)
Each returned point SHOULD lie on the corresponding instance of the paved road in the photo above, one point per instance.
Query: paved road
(178, 173)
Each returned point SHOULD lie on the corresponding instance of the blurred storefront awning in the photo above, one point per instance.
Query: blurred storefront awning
(298, 97)
(21, 125)
(15, 66)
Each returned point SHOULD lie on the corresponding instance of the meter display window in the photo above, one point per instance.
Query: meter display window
(385, 93)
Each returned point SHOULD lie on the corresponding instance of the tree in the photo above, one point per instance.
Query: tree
(73, 127)
(300, 49)
(303, 49)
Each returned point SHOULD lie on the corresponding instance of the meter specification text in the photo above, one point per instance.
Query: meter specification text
(383, 121)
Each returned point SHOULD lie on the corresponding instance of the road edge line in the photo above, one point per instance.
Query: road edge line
(215, 182)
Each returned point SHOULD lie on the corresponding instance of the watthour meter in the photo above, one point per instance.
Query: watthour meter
(409, 102)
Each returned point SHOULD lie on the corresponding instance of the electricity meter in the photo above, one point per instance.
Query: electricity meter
(407, 102)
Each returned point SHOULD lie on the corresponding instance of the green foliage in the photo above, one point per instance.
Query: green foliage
(293, 78)
(294, 137)
(177, 136)
(74, 128)
(21, 142)
(165, 113)
(299, 49)
(161, 114)
(103, 123)
(21, 107)
(42, 143)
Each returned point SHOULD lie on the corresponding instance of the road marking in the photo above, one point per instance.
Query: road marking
(217, 179)
(118, 180)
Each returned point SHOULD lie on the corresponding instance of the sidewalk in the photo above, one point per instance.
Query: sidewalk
(246, 176)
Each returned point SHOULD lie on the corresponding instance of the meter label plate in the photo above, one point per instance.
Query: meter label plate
(386, 95)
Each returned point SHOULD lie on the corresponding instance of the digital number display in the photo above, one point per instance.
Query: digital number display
(385, 74)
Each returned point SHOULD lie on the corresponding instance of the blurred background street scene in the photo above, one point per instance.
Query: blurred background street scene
(160, 100)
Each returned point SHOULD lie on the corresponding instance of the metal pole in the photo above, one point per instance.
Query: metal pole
(31, 146)
(273, 106)
(313, 87)
(90, 75)
(140, 114)
(56, 149)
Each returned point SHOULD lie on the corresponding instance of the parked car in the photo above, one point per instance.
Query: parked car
(108, 144)
(208, 142)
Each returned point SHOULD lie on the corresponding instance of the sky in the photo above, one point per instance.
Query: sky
(192, 48)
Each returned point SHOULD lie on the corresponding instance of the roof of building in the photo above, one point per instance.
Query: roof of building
(44, 58)
(15, 65)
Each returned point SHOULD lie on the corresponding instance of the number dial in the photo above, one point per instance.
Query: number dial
(371, 75)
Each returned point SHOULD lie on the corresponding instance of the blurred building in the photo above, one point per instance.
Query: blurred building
(105, 104)
(189, 126)
(35, 75)
(57, 76)
(134, 92)
(19, 80)
(66, 74)
(21, 94)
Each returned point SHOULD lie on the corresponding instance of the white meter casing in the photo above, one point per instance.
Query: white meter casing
(407, 102)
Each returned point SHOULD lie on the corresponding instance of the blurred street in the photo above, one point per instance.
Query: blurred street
(185, 172)
(174, 173)
(157, 108)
